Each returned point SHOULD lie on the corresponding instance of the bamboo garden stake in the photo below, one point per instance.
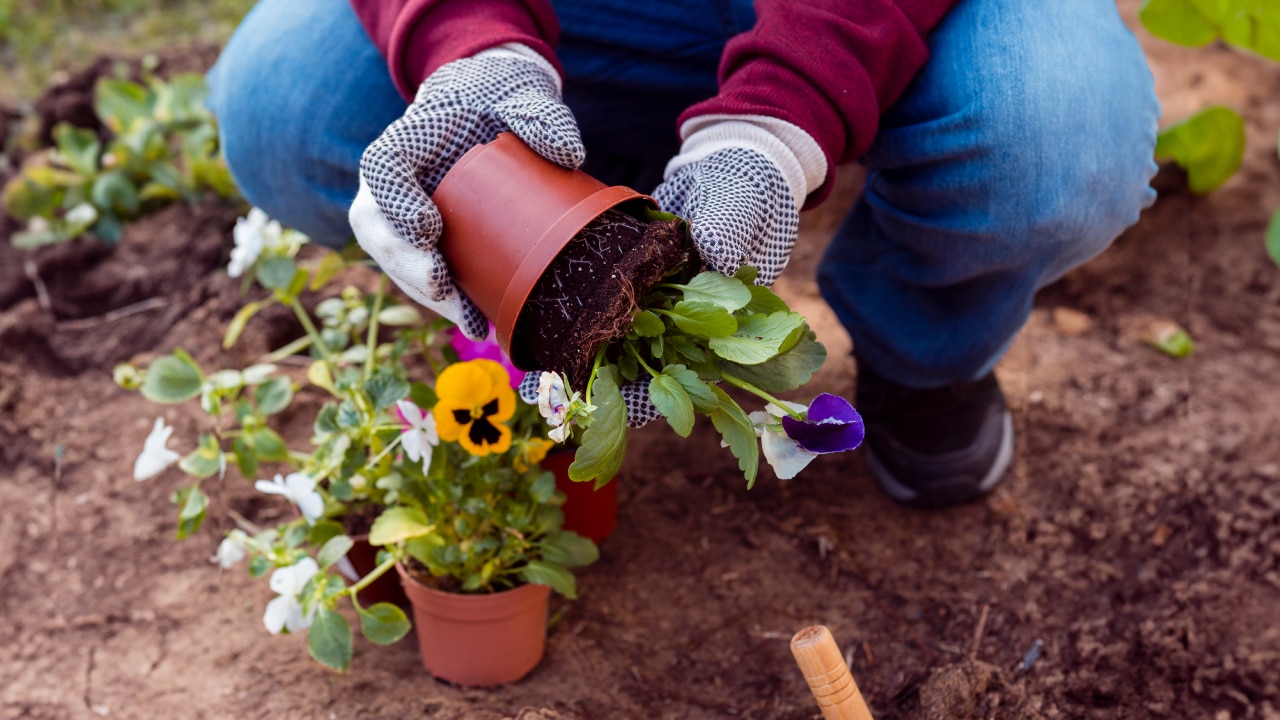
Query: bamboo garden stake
(828, 676)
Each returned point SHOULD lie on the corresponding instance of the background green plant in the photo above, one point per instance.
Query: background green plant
(1210, 144)
(163, 146)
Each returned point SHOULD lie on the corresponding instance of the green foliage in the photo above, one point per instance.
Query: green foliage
(1209, 146)
(1252, 25)
(163, 147)
(329, 640)
(172, 379)
(384, 624)
(686, 338)
(1273, 238)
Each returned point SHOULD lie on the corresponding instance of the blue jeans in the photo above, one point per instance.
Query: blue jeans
(1021, 150)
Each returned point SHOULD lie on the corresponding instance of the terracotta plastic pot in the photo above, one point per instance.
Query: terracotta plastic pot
(364, 558)
(508, 212)
(479, 640)
(589, 512)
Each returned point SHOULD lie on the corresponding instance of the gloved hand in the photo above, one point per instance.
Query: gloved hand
(740, 181)
(635, 395)
(463, 104)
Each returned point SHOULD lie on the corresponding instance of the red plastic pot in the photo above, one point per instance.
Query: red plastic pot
(479, 640)
(508, 212)
(589, 512)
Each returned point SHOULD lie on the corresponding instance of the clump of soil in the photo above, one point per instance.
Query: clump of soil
(588, 295)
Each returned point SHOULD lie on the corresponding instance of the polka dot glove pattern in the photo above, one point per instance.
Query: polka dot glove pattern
(740, 211)
(640, 409)
(463, 104)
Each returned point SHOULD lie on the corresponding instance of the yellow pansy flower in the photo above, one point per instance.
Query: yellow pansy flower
(475, 401)
(531, 453)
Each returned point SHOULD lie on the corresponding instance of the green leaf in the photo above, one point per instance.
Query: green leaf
(323, 531)
(1273, 238)
(569, 549)
(274, 395)
(276, 272)
(383, 624)
(329, 266)
(241, 319)
(79, 148)
(327, 419)
(669, 396)
(385, 390)
(329, 639)
(38, 192)
(246, 458)
(764, 300)
(758, 338)
(646, 324)
(1178, 21)
(703, 319)
(704, 401)
(712, 287)
(333, 550)
(787, 371)
(747, 274)
(109, 229)
(114, 192)
(604, 444)
(1209, 146)
(738, 433)
(422, 395)
(268, 445)
(193, 504)
(119, 103)
(398, 524)
(172, 379)
(206, 460)
(543, 487)
(542, 572)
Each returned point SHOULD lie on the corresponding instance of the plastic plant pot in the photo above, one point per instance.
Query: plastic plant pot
(507, 213)
(479, 640)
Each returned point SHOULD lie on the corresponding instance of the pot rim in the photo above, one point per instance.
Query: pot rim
(467, 607)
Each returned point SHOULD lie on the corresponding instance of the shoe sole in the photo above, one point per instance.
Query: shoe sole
(949, 494)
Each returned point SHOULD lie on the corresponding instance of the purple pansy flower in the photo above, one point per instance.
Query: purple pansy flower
(488, 349)
(832, 425)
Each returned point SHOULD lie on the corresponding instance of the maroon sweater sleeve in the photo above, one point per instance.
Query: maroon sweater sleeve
(418, 36)
(830, 67)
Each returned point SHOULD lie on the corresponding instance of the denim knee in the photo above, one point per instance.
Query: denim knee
(299, 91)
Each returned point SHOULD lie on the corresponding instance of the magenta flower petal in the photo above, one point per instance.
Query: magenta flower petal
(832, 426)
(487, 349)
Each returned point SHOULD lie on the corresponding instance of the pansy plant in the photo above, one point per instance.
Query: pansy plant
(446, 472)
(689, 340)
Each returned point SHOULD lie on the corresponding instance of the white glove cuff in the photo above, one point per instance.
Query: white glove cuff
(792, 150)
(520, 50)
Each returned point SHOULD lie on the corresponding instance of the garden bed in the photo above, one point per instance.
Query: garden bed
(1138, 537)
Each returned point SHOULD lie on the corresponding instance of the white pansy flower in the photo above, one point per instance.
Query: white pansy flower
(559, 434)
(156, 456)
(257, 374)
(782, 453)
(284, 612)
(553, 401)
(300, 490)
(82, 214)
(231, 550)
(420, 436)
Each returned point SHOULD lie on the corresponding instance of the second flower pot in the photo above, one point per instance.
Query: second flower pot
(589, 512)
(508, 213)
(479, 640)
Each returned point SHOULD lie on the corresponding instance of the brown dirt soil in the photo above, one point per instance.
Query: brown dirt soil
(1138, 536)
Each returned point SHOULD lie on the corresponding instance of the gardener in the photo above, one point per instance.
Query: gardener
(1005, 142)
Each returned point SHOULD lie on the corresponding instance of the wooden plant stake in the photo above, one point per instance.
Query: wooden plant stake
(828, 676)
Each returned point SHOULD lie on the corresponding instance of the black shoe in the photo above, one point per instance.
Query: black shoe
(939, 447)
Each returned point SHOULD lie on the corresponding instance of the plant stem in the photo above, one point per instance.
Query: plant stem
(740, 383)
(367, 580)
(292, 348)
(310, 327)
(643, 364)
(595, 368)
(372, 343)
(390, 446)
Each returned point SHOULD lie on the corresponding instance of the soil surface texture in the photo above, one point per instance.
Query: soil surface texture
(587, 297)
(1128, 568)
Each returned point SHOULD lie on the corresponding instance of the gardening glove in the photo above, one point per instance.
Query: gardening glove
(635, 394)
(463, 104)
(740, 181)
